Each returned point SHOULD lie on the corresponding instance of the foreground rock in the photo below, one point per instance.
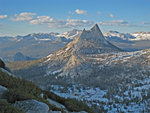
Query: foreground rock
(58, 105)
(32, 106)
(79, 112)
(2, 91)
(54, 112)
(2, 64)
(66, 112)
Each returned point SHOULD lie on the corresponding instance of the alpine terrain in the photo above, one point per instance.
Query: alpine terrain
(92, 69)
(21, 96)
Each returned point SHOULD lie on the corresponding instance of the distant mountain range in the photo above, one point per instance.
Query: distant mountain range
(110, 35)
(38, 45)
(128, 36)
(129, 41)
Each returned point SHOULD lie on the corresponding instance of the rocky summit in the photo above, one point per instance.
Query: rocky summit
(70, 60)
(93, 42)
(90, 42)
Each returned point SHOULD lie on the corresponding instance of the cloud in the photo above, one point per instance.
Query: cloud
(111, 16)
(25, 16)
(119, 23)
(73, 23)
(3, 16)
(115, 23)
(60, 23)
(81, 12)
(42, 20)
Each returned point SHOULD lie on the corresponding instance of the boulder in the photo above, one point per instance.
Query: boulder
(2, 64)
(58, 105)
(66, 112)
(54, 103)
(79, 112)
(54, 112)
(2, 90)
(32, 106)
(7, 72)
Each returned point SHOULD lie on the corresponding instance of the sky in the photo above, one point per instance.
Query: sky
(21, 17)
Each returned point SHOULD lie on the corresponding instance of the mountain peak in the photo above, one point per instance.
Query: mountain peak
(96, 28)
(93, 42)
(93, 35)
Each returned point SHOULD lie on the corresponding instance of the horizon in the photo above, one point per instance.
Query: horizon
(64, 32)
(47, 16)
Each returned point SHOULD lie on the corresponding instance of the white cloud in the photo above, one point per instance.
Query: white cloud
(42, 20)
(111, 15)
(81, 12)
(115, 23)
(73, 23)
(58, 23)
(3, 16)
(25, 16)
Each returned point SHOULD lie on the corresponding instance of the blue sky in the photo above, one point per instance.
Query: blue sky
(21, 17)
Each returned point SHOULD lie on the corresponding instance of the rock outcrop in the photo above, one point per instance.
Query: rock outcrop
(32, 106)
(2, 64)
(4, 67)
(80, 112)
(54, 112)
(2, 91)
(54, 103)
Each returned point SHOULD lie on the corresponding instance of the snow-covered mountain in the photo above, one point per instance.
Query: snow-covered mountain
(67, 36)
(38, 37)
(129, 41)
(117, 36)
(141, 35)
(110, 35)
(71, 34)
